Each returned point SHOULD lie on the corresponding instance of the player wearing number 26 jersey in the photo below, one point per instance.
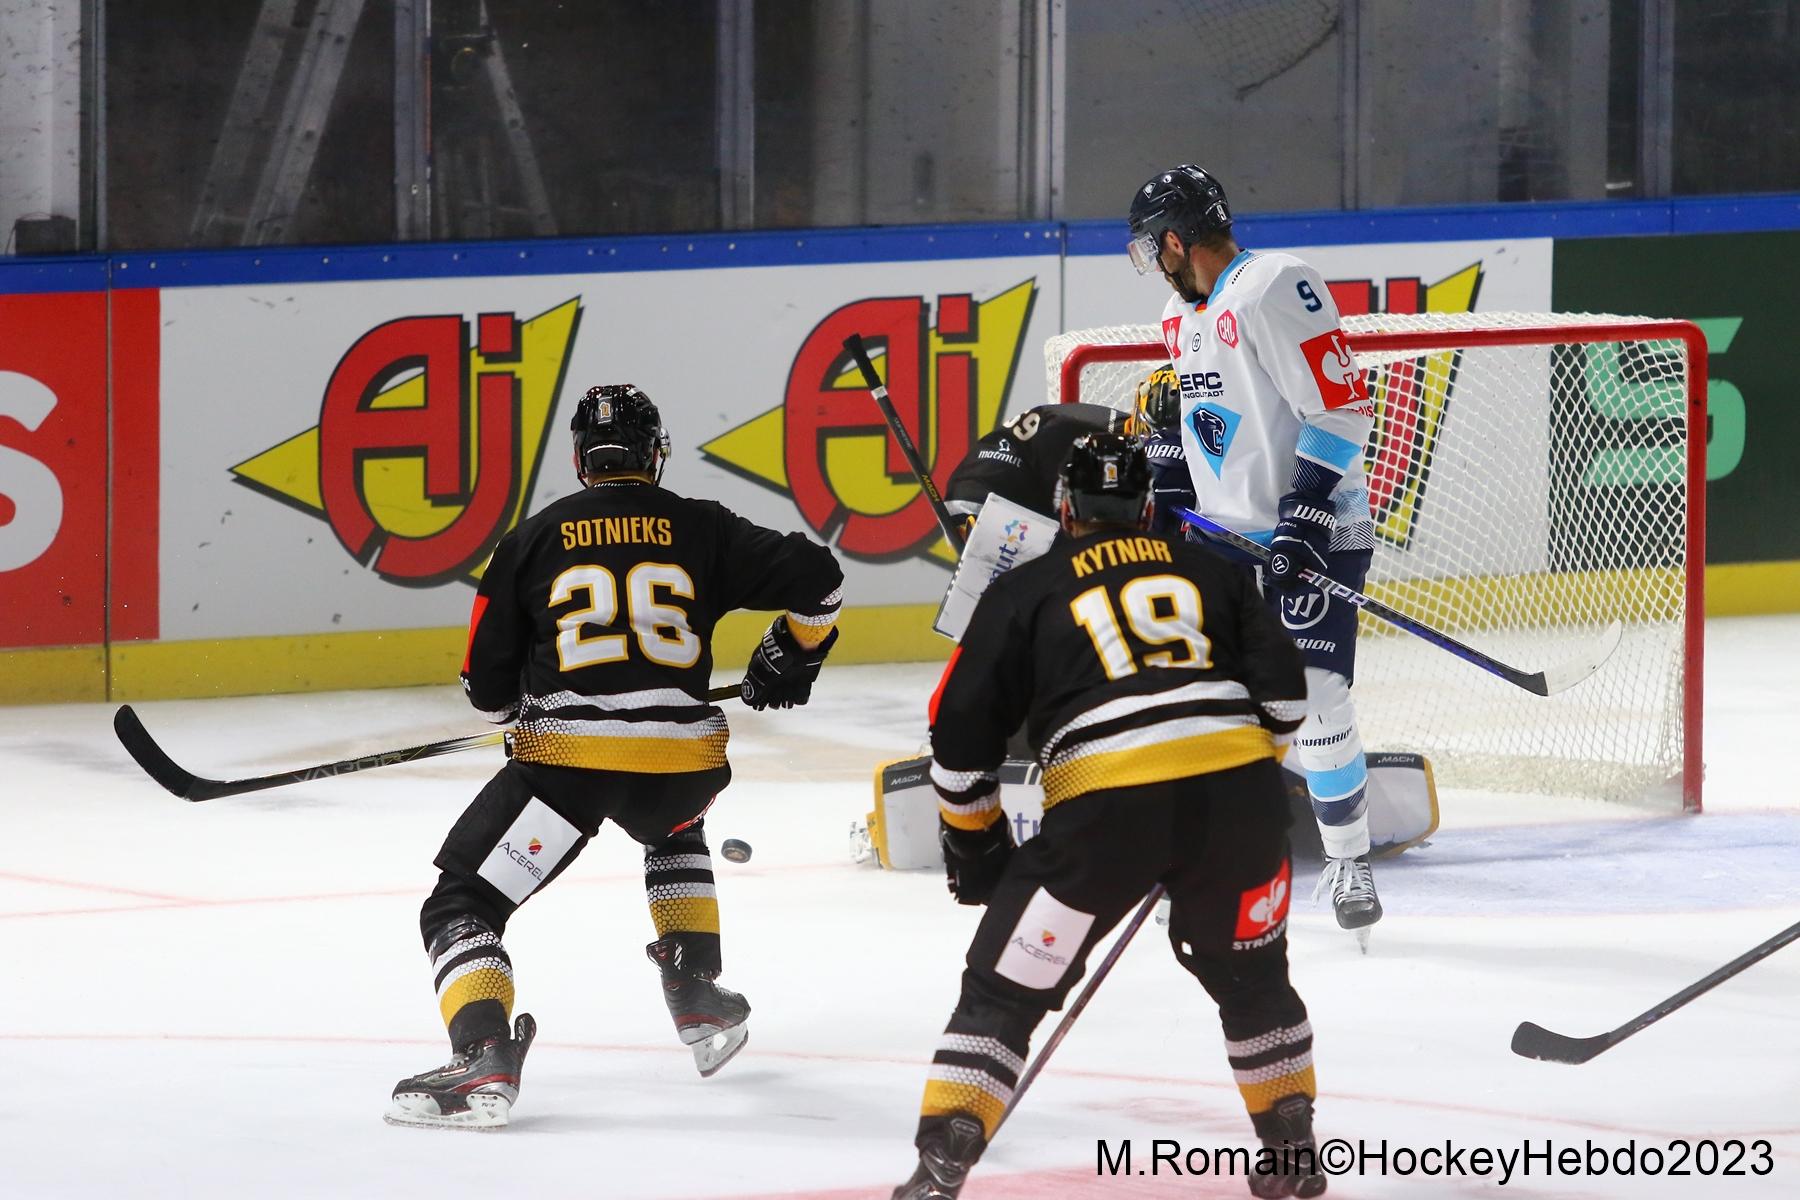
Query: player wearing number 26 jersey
(592, 630)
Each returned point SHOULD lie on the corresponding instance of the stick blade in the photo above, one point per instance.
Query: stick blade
(1592, 657)
(1531, 1040)
(143, 748)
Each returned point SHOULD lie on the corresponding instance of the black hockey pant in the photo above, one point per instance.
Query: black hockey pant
(523, 830)
(1218, 843)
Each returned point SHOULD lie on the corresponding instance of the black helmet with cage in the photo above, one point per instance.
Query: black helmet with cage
(1106, 481)
(1185, 200)
(618, 434)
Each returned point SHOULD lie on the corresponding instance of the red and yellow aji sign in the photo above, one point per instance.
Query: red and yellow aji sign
(949, 372)
(430, 436)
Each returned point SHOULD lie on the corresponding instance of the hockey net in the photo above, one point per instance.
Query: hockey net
(1532, 477)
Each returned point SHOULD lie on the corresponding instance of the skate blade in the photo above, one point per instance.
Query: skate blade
(1362, 938)
(719, 1049)
(418, 1111)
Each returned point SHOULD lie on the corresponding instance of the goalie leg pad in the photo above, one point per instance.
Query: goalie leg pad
(1330, 751)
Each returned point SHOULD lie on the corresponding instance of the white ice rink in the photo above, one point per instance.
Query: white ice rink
(213, 1000)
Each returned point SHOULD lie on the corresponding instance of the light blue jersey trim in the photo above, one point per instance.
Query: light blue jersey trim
(1327, 449)
(1224, 279)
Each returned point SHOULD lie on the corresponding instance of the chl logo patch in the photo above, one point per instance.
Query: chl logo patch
(1227, 328)
(1263, 908)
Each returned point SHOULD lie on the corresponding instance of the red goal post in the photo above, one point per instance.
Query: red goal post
(1532, 476)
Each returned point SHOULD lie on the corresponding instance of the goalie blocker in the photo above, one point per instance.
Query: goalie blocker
(902, 831)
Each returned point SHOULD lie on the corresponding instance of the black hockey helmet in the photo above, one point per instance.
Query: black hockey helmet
(1184, 199)
(618, 432)
(1158, 404)
(1105, 480)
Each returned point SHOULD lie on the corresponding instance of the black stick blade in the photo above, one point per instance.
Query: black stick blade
(143, 748)
(1530, 1040)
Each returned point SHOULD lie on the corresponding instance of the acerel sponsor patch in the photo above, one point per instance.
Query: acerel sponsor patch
(528, 851)
(1044, 942)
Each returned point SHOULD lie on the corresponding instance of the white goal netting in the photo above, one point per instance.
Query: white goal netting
(1529, 477)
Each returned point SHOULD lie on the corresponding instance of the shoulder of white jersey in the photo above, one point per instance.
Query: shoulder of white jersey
(1262, 271)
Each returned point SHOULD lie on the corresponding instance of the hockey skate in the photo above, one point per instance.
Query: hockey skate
(1352, 887)
(476, 1089)
(1287, 1134)
(709, 1019)
(944, 1161)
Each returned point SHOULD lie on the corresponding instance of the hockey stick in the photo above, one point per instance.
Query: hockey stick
(1534, 1041)
(1081, 1002)
(1548, 682)
(877, 389)
(184, 783)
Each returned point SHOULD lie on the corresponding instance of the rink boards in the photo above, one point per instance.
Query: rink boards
(234, 472)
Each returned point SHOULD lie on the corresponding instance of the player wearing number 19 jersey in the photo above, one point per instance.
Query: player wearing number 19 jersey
(592, 631)
(1157, 691)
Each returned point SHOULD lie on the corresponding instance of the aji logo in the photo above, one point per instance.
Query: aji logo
(827, 446)
(426, 447)
(1411, 396)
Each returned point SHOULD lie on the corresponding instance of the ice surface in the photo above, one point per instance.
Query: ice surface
(212, 1000)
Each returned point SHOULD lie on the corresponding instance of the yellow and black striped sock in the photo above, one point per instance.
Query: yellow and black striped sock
(1273, 1064)
(973, 1073)
(474, 982)
(684, 904)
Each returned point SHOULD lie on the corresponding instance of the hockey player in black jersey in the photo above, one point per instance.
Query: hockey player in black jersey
(1158, 691)
(592, 632)
(1021, 459)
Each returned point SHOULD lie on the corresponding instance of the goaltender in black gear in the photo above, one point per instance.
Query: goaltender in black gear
(592, 631)
(1158, 691)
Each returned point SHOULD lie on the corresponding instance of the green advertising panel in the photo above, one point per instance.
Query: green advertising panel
(1744, 292)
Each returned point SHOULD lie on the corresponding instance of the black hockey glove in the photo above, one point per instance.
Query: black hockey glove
(782, 671)
(1302, 536)
(974, 861)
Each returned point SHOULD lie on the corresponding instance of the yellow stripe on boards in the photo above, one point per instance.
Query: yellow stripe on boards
(1156, 763)
(317, 662)
(52, 675)
(1752, 589)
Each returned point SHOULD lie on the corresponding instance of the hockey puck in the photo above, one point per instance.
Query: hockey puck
(735, 851)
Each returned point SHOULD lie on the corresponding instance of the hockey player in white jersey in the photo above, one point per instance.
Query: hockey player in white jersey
(1274, 418)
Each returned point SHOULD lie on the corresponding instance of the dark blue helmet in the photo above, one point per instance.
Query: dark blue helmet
(1184, 199)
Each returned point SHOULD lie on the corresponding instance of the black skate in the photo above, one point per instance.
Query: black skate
(476, 1089)
(1287, 1134)
(709, 1019)
(944, 1161)
(1352, 887)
